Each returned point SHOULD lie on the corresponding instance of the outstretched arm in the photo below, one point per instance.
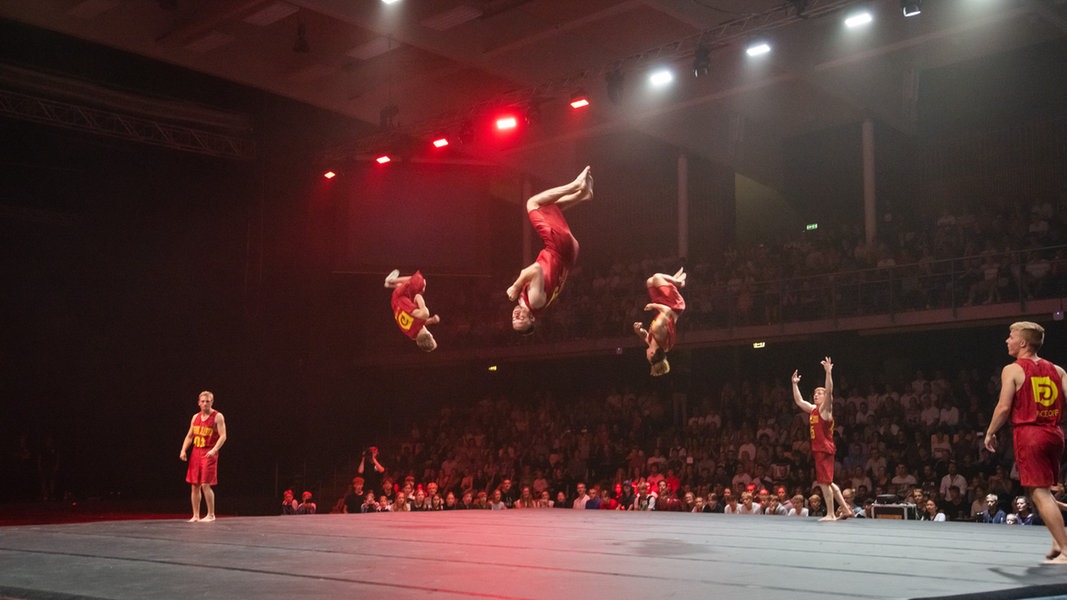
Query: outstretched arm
(799, 400)
(827, 411)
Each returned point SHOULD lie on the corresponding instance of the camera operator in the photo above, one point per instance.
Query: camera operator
(370, 469)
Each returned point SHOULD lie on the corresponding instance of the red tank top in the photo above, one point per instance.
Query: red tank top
(1039, 400)
(204, 433)
(822, 433)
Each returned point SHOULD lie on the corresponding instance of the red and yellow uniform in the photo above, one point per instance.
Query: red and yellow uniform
(1035, 416)
(203, 468)
(823, 448)
(404, 305)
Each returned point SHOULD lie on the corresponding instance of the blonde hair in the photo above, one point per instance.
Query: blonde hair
(1032, 333)
(209, 395)
(661, 368)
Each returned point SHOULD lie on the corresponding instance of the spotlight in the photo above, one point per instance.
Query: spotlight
(615, 80)
(579, 99)
(381, 160)
(758, 48)
(701, 61)
(440, 142)
(329, 174)
(858, 19)
(506, 122)
(661, 77)
(301, 44)
(911, 7)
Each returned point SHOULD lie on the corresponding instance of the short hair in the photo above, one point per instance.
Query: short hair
(1032, 333)
(424, 340)
(358, 480)
(209, 395)
(528, 331)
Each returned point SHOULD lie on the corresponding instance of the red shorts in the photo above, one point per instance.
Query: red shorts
(667, 295)
(1037, 455)
(550, 225)
(203, 469)
(824, 467)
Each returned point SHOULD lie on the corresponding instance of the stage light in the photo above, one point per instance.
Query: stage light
(911, 7)
(440, 143)
(758, 48)
(661, 77)
(858, 19)
(579, 99)
(329, 174)
(390, 1)
(381, 160)
(701, 61)
(506, 122)
(614, 80)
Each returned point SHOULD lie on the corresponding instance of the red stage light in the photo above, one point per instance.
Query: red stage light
(440, 143)
(579, 103)
(507, 122)
(381, 160)
(329, 174)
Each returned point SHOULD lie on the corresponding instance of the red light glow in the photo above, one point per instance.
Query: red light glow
(381, 160)
(579, 103)
(440, 143)
(508, 122)
(329, 174)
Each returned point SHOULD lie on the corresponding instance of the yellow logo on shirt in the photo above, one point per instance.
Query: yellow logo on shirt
(404, 320)
(1045, 390)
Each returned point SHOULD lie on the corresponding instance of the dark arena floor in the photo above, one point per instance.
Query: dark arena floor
(525, 554)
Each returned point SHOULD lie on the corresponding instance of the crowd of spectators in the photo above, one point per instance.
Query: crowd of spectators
(744, 452)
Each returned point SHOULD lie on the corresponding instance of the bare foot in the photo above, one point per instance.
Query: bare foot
(208, 519)
(680, 276)
(194, 519)
(1059, 560)
(828, 518)
(391, 277)
(1052, 554)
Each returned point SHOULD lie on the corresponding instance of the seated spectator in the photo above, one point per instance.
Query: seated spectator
(931, 513)
(289, 504)
(306, 507)
(748, 505)
(798, 510)
(353, 500)
(1024, 514)
(992, 512)
(815, 506)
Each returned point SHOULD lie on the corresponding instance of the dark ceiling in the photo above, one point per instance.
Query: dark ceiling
(444, 62)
